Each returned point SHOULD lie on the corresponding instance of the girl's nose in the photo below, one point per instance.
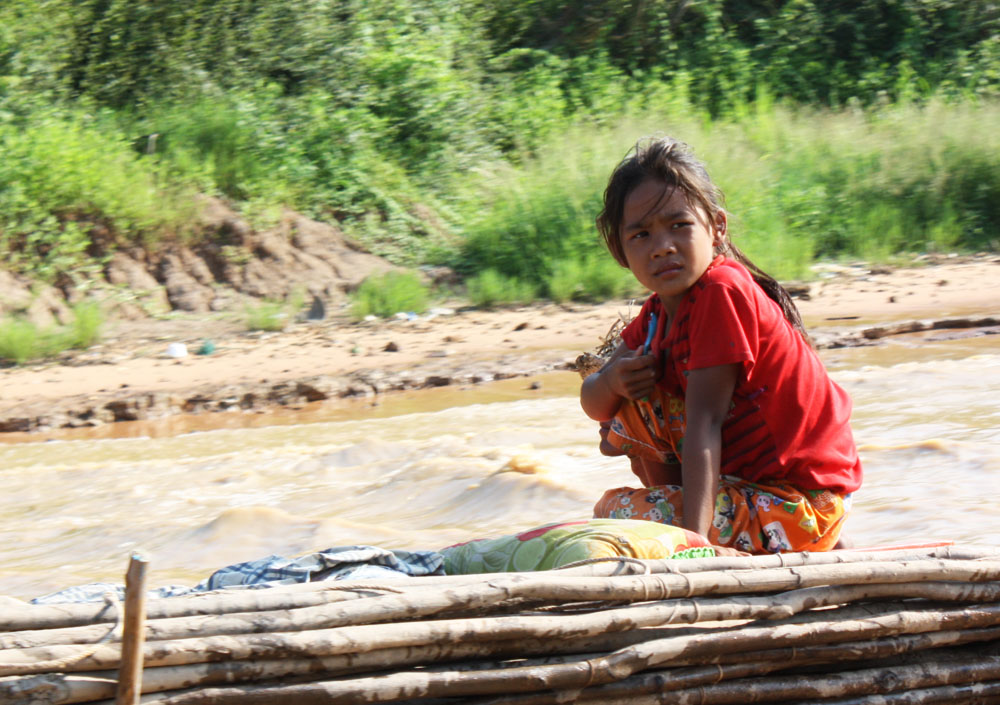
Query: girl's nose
(663, 243)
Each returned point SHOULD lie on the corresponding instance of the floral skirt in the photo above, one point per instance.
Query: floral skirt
(749, 516)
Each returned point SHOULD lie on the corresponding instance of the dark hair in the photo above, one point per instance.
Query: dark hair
(672, 162)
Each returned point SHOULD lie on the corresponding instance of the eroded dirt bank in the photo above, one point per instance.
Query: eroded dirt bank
(130, 376)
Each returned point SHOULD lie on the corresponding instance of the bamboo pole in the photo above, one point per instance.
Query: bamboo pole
(800, 558)
(133, 636)
(873, 685)
(235, 671)
(573, 676)
(432, 602)
(364, 638)
(28, 616)
(392, 688)
(971, 693)
(427, 602)
(362, 645)
(71, 614)
(693, 673)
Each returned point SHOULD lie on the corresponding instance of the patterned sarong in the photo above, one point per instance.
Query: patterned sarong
(761, 517)
(749, 516)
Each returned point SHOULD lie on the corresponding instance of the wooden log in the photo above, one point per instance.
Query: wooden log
(66, 689)
(403, 686)
(57, 688)
(133, 635)
(362, 638)
(895, 329)
(946, 323)
(438, 602)
(788, 560)
(550, 586)
(575, 676)
(63, 689)
(686, 673)
(898, 681)
(968, 693)
(917, 326)
(28, 616)
(366, 638)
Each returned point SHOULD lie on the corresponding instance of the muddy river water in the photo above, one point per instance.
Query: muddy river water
(436, 468)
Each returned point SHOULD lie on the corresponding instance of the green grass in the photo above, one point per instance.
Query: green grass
(271, 315)
(597, 278)
(21, 341)
(267, 316)
(65, 173)
(480, 135)
(85, 330)
(801, 184)
(386, 294)
(491, 288)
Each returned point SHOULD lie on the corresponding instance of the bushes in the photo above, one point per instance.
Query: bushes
(22, 341)
(490, 288)
(480, 135)
(386, 294)
(269, 315)
(64, 174)
(596, 278)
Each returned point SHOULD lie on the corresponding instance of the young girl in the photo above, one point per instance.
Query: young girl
(715, 394)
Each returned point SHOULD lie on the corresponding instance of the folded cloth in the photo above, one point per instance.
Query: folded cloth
(340, 563)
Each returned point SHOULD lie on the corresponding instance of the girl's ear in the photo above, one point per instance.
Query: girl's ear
(719, 231)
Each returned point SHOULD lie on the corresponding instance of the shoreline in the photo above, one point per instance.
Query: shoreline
(130, 377)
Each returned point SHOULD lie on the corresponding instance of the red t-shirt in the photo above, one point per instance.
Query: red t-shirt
(788, 421)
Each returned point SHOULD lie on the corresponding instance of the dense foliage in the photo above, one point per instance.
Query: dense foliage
(479, 134)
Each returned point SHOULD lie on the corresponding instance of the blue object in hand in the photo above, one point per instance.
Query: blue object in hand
(650, 332)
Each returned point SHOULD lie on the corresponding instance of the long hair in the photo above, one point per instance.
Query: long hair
(672, 162)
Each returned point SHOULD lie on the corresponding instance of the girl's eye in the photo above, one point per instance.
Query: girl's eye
(681, 224)
(639, 234)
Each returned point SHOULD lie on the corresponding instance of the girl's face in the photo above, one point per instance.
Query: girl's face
(668, 242)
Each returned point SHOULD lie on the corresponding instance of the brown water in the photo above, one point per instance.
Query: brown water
(430, 469)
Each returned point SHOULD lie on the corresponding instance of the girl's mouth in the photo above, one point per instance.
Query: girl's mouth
(671, 268)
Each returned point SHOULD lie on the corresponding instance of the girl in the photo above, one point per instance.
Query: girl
(715, 394)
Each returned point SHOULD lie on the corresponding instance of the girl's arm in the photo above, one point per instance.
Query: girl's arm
(709, 394)
(627, 375)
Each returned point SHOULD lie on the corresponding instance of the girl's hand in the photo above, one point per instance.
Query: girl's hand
(632, 376)
(627, 375)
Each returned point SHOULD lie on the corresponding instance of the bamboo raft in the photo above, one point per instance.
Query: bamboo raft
(890, 626)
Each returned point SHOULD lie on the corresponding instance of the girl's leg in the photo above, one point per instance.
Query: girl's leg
(648, 433)
(650, 472)
(748, 516)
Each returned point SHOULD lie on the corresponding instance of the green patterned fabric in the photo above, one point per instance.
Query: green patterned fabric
(559, 544)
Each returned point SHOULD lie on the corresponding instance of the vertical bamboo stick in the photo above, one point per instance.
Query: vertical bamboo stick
(134, 634)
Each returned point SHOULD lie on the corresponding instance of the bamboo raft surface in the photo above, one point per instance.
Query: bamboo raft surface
(919, 625)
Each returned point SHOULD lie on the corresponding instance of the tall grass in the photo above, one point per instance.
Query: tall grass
(800, 184)
(390, 293)
(21, 341)
(491, 288)
(64, 173)
(85, 329)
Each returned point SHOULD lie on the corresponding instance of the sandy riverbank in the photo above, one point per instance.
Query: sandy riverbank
(130, 376)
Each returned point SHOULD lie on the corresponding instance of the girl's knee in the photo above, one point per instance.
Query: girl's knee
(616, 503)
